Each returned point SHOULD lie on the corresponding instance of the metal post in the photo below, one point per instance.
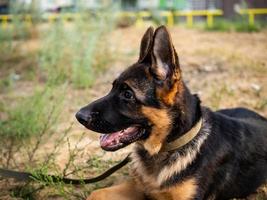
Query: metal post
(4, 21)
(251, 18)
(210, 20)
(189, 19)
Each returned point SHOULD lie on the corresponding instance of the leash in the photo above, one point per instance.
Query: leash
(26, 176)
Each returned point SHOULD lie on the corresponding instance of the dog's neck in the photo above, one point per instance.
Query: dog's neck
(187, 118)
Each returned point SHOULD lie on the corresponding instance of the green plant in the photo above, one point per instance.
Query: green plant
(76, 52)
(32, 115)
(218, 94)
(239, 24)
(25, 191)
(13, 43)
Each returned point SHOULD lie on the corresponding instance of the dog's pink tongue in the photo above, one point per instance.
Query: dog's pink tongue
(113, 139)
(107, 140)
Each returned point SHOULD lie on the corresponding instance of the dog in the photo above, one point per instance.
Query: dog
(182, 151)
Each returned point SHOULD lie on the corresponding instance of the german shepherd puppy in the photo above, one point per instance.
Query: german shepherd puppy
(182, 150)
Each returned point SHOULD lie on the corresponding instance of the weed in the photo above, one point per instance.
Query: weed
(26, 191)
(261, 104)
(32, 115)
(7, 82)
(239, 25)
(76, 52)
(218, 94)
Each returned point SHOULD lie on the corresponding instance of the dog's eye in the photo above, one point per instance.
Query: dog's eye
(128, 94)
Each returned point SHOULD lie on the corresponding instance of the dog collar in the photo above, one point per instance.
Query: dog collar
(184, 139)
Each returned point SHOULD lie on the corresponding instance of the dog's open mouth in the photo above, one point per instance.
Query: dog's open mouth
(122, 138)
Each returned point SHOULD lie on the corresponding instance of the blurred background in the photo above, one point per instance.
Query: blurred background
(58, 55)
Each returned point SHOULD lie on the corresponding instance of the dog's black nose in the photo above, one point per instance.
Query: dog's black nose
(83, 118)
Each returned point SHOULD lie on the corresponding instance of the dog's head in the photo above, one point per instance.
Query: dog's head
(141, 104)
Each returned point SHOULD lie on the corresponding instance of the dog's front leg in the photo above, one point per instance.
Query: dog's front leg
(125, 191)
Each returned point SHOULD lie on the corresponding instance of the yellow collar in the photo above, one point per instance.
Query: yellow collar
(184, 139)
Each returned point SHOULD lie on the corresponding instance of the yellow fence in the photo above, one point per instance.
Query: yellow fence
(140, 16)
(7, 19)
(207, 13)
(4, 20)
(251, 13)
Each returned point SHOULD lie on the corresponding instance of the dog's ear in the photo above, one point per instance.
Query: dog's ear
(146, 44)
(165, 61)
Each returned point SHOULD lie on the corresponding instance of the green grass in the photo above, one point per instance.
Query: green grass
(77, 52)
(31, 115)
(238, 25)
(74, 52)
(27, 192)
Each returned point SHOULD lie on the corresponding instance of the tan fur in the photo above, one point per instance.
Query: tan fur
(161, 124)
(168, 96)
(131, 190)
(176, 167)
(138, 172)
(125, 191)
(185, 190)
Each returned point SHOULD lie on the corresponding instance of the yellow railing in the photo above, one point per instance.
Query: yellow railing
(145, 14)
(251, 13)
(63, 16)
(4, 20)
(139, 16)
(169, 16)
(192, 13)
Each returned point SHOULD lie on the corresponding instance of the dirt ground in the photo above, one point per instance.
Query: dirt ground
(225, 69)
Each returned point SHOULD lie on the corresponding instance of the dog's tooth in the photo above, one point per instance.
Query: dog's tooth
(104, 136)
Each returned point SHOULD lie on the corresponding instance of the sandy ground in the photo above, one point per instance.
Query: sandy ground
(224, 69)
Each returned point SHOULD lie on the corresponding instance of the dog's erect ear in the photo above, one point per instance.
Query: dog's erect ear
(146, 44)
(164, 58)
